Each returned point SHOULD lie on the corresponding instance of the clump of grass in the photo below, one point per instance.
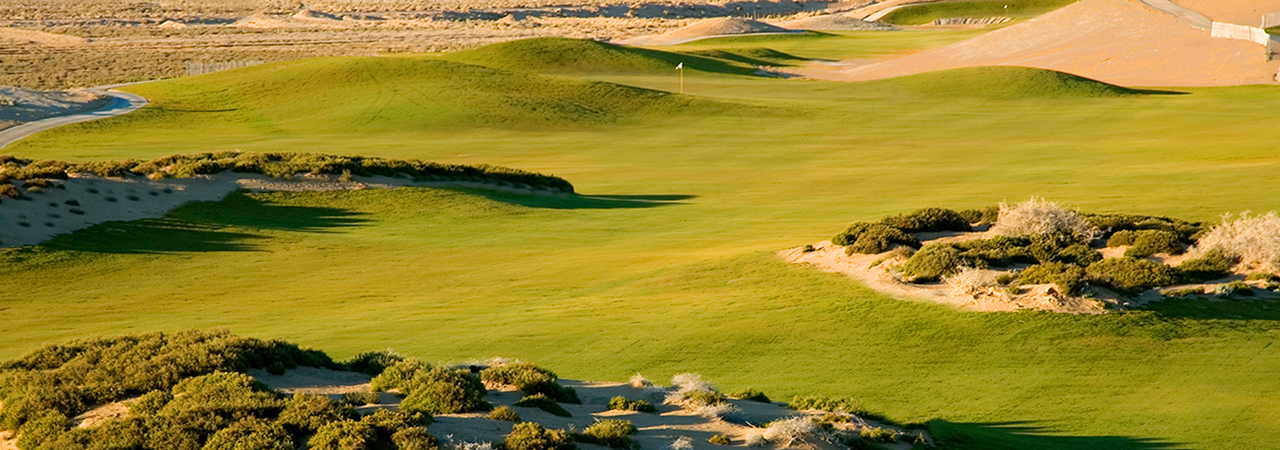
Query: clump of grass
(1234, 288)
(751, 394)
(541, 401)
(935, 261)
(504, 414)
(373, 363)
(1262, 276)
(621, 403)
(726, 411)
(612, 433)
(532, 436)
(832, 404)
(681, 443)
(872, 238)
(1146, 242)
(691, 390)
(530, 379)
(1254, 241)
(1039, 217)
(360, 398)
(721, 439)
(1131, 275)
(1183, 292)
(1212, 264)
(10, 191)
(1069, 278)
(787, 431)
(929, 219)
(982, 216)
(975, 283)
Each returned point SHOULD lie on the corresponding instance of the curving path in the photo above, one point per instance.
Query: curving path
(122, 103)
(1195, 19)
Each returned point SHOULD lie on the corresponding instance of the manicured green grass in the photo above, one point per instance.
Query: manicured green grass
(928, 12)
(1006, 81)
(667, 263)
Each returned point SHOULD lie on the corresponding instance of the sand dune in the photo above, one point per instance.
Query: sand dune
(1117, 41)
(721, 26)
(841, 21)
(1242, 12)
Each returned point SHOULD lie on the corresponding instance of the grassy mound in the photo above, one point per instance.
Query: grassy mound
(928, 12)
(565, 55)
(1006, 81)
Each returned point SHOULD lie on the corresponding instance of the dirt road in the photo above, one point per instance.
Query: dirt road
(122, 103)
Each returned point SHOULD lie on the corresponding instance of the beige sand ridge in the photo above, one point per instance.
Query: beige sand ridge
(85, 200)
(1116, 41)
(702, 29)
(832, 22)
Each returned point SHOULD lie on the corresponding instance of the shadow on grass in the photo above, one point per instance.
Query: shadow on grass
(1206, 308)
(585, 201)
(203, 227)
(1026, 435)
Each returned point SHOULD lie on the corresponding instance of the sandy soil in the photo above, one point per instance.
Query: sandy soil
(840, 22)
(85, 200)
(41, 37)
(8, 441)
(656, 430)
(703, 29)
(1116, 41)
(102, 414)
(1241, 12)
(18, 105)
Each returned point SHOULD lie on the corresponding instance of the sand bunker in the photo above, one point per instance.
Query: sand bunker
(702, 29)
(1117, 41)
(18, 105)
(86, 200)
(833, 22)
(1241, 12)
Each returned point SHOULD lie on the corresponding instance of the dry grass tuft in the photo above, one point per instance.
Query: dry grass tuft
(1039, 217)
(976, 283)
(1253, 240)
(785, 432)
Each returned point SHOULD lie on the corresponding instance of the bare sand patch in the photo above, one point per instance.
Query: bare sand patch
(41, 37)
(1116, 41)
(1241, 12)
(702, 29)
(18, 105)
(102, 414)
(8, 441)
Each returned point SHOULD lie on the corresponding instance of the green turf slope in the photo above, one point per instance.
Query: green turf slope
(928, 12)
(1005, 81)
(565, 55)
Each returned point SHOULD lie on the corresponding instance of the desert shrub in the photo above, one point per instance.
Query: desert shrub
(43, 429)
(530, 379)
(703, 398)
(37, 183)
(541, 401)
(1123, 237)
(751, 394)
(981, 216)
(1262, 276)
(1039, 217)
(444, 391)
(306, 413)
(872, 238)
(1149, 242)
(360, 398)
(612, 433)
(1210, 265)
(398, 375)
(150, 403)
(506, 414)
(344, 435)
(833, 404)
(691, 390)
(726, 411)
(935, 261)
(387, 423)
(1079, 254)
(638, 381)
(415, 438)
(878, 434)
(1254, 241)
(532, 436)
(1183, 292)
(1069, 278)
(930, 219)
(787, 431)
(229, 394)
(721, 439)
(1126, 222)
(10, 191)
(251, 434)
(975, 282)
(1132, 275)
(999, 251)
(1232, 289)
(373, 363)
(621, 403)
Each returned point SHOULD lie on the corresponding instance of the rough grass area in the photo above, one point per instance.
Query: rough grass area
(666, 263)
(928, 12)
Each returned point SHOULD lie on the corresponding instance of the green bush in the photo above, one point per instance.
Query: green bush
(834, 404)
(999, 251)
(721, 439)
(984, 216)
(930, 219)
(541, 401)
(373, 363)
(1183, 292)
(9, 190)
(1212, 265)
(1234, 288)
(386, 423)
(530, 379)
(506, 414)
(752, 395)
(415, 438)
(444, 391)
(1123, 237)
(1070, 278)
(621, 403)
(612, 433)
(1126, 222)
(878, 434)
(344, 435)
(1149, 242)
(1132, 275)
(532, 436)
(360, 398)
(871, 238)
(1057, 248)
(307, 413)
(935, 261)
(250, 434)
(398, 375)
(1262, 276)
(706, 397)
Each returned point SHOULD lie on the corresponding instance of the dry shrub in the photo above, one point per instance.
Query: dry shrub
(640, 382)
(727, 412)
(976, 283)
(1252, 240)
(785, 432)
(1040, 217)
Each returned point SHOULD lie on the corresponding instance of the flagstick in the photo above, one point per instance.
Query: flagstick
(681, 80)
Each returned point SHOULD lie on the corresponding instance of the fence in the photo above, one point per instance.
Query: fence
(1247, 33)
(201, 68)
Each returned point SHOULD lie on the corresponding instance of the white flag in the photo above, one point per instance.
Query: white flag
(680, 66)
